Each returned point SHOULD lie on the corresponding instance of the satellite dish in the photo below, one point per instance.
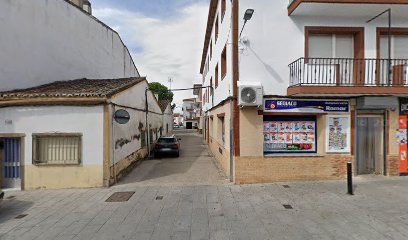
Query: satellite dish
(248, 95)
(121, 116)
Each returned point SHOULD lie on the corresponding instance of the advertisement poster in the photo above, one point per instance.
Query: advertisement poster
(289, 136)
(338, 134)
(403, 148)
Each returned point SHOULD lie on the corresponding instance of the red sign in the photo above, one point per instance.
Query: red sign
(403, 148)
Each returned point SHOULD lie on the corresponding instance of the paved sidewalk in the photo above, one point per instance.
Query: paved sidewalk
(321, 210)
(188, 198)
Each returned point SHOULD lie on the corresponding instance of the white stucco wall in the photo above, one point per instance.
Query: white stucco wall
(43, 41)
(277, 39)
(168, 120)
(133, 101)
(224, 88)
(57, 119)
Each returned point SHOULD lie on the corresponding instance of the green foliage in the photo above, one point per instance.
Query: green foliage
(163, 91)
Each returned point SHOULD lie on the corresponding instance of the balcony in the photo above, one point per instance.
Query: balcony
(348, 77)
(346, 8)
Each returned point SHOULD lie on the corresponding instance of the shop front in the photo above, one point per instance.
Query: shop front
(300, 139)
(402, 136)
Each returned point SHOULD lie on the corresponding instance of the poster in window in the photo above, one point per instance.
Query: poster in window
(338, 134)
(289, 136)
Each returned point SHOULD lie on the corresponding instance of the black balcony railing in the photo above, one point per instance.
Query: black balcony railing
(348, 72)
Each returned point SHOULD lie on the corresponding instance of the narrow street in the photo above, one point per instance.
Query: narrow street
(188, 198)
(194, 166)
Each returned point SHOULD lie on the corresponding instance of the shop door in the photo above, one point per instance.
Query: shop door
(370, 147)
(10, 162)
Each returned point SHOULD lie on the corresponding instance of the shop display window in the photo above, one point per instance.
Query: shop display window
(289, 134)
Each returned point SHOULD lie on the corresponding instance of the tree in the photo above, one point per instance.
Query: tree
(161, 90)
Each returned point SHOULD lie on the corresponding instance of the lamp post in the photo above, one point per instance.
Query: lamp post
(389, 40)
(247, 16)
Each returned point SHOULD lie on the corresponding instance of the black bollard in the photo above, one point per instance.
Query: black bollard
(349, 179)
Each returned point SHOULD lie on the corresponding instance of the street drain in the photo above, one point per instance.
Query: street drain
(286, 186)
(120, 197)
(11, 197)
(159, 198)
(21, 216)
(287, 206)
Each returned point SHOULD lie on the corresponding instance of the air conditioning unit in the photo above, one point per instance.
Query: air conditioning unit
(250, 94)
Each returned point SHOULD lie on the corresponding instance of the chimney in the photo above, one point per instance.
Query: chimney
(83, 4)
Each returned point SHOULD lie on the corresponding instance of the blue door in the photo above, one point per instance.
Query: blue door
(11, 156)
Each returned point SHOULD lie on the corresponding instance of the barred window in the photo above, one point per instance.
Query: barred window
(58, 148)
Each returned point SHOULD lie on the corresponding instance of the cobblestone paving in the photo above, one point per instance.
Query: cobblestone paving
(212, 209)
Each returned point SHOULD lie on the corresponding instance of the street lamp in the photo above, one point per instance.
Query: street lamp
(247, 16)
(389, 40)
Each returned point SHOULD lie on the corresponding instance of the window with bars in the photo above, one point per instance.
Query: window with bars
(57, 149)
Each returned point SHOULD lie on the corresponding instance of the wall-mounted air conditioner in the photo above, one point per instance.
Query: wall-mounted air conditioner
(250, 94)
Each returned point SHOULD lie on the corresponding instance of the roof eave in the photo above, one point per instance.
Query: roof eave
(210, 22)
(14, 102)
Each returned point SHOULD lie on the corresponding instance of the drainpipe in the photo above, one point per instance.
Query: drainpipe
(356, 157)
(113, 142)
(147, 125)
(385, 141)
(231, 141)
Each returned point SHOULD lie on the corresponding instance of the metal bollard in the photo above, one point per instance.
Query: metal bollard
(349, 179)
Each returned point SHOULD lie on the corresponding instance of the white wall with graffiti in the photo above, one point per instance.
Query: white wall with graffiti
(168, 121)
(137, 133)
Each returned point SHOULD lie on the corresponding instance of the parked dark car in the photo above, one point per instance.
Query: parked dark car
(167, 146)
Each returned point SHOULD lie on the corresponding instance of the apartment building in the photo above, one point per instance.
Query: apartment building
(178, 119)
(190, 118)
(297, 89)
(198, 93)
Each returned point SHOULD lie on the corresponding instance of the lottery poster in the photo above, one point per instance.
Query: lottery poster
(338, 134)
(289, 136)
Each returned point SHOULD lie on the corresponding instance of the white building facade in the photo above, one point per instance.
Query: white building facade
(52, 40)
(190, 119)
(321, 65)
(51, 141)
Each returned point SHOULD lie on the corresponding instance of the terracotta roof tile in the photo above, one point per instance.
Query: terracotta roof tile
(163, 104)
(74, 88)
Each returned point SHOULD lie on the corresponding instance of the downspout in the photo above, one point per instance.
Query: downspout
(147, 125)
(356, 156)
(113, 143)
(385, 141)
(231, 142)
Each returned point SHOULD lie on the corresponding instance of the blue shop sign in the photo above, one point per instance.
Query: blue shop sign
(306, 106)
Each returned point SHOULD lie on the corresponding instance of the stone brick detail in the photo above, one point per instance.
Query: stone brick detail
(290, 168)
(124, 166)
(393, 165)
(221, 155)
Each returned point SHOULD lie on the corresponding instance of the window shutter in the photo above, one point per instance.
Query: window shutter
(320, 46)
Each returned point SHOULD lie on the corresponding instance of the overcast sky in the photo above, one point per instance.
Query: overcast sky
(165, 37)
